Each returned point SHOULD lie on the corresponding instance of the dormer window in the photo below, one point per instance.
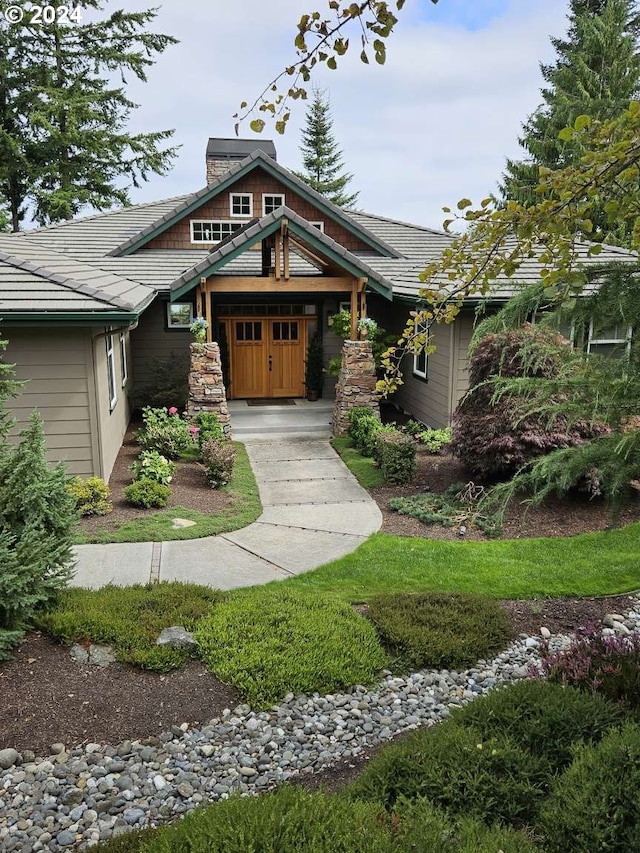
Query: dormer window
(271, 202)
(319, 225)
(241, 204)
(205, 231)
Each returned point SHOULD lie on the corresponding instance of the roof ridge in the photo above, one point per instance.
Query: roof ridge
(64, 281)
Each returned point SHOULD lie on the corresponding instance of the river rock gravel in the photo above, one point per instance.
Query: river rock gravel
(74, 798)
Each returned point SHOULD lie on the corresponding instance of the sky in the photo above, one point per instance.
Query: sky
(433, 125)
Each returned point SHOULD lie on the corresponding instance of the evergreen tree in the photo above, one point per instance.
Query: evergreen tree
(64, 144)
(321, 157)
(597, 73)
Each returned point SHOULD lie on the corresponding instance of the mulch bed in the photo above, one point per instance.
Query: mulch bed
(46, 697)
(189, 489)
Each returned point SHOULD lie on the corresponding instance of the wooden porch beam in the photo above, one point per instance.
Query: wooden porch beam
(206, 312)
(285, 248)
(304, 284)
(354, 310)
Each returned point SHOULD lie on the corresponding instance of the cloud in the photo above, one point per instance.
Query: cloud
(434, 124)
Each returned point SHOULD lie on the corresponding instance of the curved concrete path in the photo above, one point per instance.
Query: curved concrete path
(314, 511)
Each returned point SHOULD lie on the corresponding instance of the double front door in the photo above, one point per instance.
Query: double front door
(267, 357)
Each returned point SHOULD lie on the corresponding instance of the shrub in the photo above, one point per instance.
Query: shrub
(130, 619)
(364, 424)
(545, 719)
(91, 496)
(208, 427)
(288, 820)
(439, 630)
(598, 663)
(419, 826)
(170, 382)
(396, 455)
(413, 428)
(490, 436)
(218, 458)
(37, 515)
(435, 439)
(164, 431)
(147, 493)
(459, 771)
(268, 642)
(151, 465)
(460, 504)
(594, 805)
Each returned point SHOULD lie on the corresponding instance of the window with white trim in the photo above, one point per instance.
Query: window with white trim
(271, 202)
(111, 372)
(613, 341)
(318, 225)
(241, 204)
(179, 315)
(123, 358)
(205, 231)
(421, 359)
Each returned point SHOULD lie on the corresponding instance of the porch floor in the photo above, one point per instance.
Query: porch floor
(248, 422)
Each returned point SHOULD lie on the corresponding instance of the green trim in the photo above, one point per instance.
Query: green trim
(232, 179)
(306, 235)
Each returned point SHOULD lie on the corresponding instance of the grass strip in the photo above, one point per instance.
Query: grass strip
(363, 468)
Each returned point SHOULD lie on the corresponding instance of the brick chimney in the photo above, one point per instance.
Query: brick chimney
(224, 154)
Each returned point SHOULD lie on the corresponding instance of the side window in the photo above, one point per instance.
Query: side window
(111, 372)
(179, 315)
(123, 358)
(421, 359)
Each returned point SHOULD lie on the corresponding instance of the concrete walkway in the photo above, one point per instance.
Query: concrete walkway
(314, 512)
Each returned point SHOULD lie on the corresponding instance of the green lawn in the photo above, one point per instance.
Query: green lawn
(158, 526)
(603, 563)
(362, 467)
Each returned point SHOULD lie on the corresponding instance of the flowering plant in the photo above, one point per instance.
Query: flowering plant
(165, 431)
(199, 329)
(151, 465)
(368, 326)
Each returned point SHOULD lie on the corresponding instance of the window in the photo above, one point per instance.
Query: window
(179, 315)
(111, 372)
(614, 341)
(271, 202)
(248, 331)
(123, 358)
(285, 330)
(318, 225)
(240, 204)
(421, 359)
(212, 232)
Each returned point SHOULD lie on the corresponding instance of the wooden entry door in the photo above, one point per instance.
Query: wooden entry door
(267, 358)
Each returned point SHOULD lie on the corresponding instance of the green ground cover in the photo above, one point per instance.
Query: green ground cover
(363, 468)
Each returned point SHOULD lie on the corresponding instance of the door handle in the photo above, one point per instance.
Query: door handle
(270, 363)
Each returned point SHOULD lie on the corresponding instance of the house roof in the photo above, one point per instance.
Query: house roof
(258, 159)
(258, 229)
(33, 279)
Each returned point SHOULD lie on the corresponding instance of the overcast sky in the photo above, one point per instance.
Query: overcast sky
(431, 126)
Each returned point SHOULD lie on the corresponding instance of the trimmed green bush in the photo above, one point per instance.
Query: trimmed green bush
(288, 820)
(595, 804)
(91, 495)
(422, 828)
(165, 431)
(396, 455)
(364, 425)
(208, 427)
(151, 465)
(435, 440)
(456, 769)
(439, 630)
(270, 641)
(130, 619)
(218, 458)
(600, 664)
(545, 719)
(147, 493)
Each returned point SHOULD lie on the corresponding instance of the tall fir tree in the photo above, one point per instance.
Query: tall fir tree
(64, 143)
(596, 72)
(321, 157)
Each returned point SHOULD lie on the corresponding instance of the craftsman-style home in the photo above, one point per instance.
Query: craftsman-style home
(87, 305)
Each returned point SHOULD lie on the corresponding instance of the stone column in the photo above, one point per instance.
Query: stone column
(356, 385)
(206, 387)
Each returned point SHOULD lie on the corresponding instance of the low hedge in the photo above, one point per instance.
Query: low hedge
(439, 630)
(395, 452)
(130, 619)
(269, 641)
(364, 425)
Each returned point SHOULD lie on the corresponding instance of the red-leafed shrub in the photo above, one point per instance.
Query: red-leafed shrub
(494, 437)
